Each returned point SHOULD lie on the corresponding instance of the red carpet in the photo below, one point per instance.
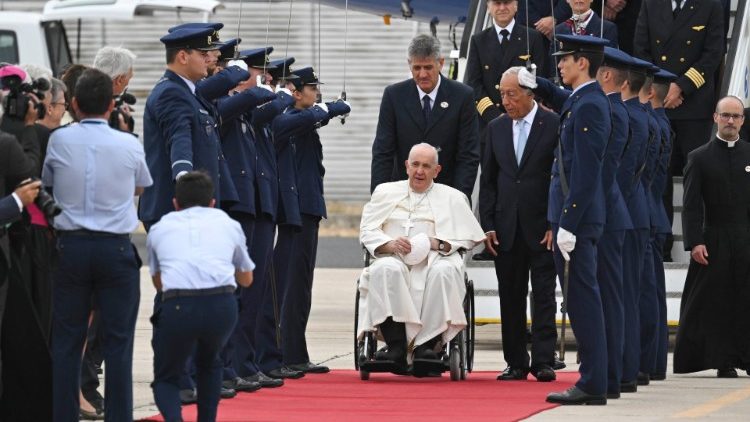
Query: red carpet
(341, 396)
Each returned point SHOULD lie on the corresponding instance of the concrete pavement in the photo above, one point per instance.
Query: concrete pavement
(695, 396)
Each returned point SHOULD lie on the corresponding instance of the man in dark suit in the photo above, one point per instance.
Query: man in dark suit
(685, 37)
(506, 43)
(543, 14)
(745, 129)
(427, 108)
(513, 205)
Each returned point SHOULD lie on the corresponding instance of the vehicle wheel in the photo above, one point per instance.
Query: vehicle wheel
(364, 375)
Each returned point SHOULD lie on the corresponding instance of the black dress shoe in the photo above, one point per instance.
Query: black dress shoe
(557, 364)
(284, 372)
(425, 353)
(227, 393)
(264, 380)
(575, 395)
(544, 374)
(629, 387)
(613, 395)
(85, 415)
(643, 379)
(485, 255)
(657, 377)
(241, 385)
(309, 368)
(513, 374)
(726, 373)
(188, 396)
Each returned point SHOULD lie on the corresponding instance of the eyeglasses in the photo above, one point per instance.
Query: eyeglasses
(65, 104)
(727, 116)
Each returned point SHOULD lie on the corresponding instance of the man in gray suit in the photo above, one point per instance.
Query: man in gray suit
(427, 108)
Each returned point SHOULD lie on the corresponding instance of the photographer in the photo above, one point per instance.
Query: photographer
(12, 205)
(22, 106)
(117, 62)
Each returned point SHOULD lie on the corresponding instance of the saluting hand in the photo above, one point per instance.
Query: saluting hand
(699, 254)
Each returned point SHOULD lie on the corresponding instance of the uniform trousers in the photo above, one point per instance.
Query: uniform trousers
(584, 306)
(649, 311)
(609, 273)
(295, 310)
(632, 265)
(512, 269)
(252, 300)
(268, 335)
(183, 325)
(106, 266)
(662, 329)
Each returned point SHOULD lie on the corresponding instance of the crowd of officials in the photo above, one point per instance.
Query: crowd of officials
(575, 182)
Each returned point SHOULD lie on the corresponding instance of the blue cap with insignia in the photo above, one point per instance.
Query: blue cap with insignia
(307, 76)
(216, 26)
(257, 57)
(617, 59)
(664, 77)
(642, 66)
(191, 38)
(229, 49)
(282, 69)
(571, 44)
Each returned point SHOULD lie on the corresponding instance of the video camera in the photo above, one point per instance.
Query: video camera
(44, 201)
(16, 102)
(114, 117)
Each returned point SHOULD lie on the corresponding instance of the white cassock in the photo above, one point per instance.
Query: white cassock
(427, 297)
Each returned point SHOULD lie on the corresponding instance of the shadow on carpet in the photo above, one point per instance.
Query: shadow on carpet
(342, 396)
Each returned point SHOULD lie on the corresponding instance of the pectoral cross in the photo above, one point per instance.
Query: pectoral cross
(407, 226)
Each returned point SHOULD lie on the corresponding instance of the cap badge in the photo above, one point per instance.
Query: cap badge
(208, 40)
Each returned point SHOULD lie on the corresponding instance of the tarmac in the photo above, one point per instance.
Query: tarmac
(330, 341)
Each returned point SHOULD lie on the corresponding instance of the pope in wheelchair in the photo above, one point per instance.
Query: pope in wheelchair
(412, 293)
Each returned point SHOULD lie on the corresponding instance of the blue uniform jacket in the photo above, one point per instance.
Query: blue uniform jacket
(218, 85)
(180, 134)
(652, 161)
(238, 143)
(585, 126)
(628, 175)
(618, 217)
(296, 129)
(661, 176)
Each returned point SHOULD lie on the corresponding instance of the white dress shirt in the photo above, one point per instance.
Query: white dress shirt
(509, 28)
(432, 94)
(189, 83)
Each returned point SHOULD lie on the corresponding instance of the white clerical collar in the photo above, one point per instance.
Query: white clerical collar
(432, 94)
(189, 83)
(509, 28)
(429, 188)
(582, 85)
(730, 144)
(583, 15)
(529, 118)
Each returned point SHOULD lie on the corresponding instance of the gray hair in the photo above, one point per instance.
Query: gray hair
(36, 71)
(514, 71)
(114, 61)
(424, 46)
(426, 146)
(57, 90)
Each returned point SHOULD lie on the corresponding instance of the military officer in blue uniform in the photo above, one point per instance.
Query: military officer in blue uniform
(577, 209)
(225, 77)
(662, 79)
(305, 143)
(629, 175)
(180, 127)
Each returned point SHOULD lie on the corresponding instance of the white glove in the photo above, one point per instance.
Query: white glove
(281, 89)
(259, 83)
(239, 63)
(566, 241)
(347, 114)
(322, 106)
(526, 79)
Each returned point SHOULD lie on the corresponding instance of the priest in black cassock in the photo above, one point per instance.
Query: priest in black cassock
(714, 331)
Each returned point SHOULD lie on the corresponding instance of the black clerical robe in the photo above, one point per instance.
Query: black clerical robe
(714, 329)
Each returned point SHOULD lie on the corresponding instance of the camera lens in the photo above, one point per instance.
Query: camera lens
(47, 204)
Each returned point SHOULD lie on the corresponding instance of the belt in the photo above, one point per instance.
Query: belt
(173, 293)
(92, 233)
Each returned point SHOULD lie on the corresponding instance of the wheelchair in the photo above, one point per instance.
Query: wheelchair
(457, 356)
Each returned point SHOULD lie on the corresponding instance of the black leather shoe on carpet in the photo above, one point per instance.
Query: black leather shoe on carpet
(629, 387)
(284, 372)
(85, 415)
(309, 368)
(264, 380)
(188, 396)
(241, 385)
(544, 374)
(557, 364)
(485, 255)
(726, 373)
(227, 393)
(643, 379)
(513, 374)
(575, 395)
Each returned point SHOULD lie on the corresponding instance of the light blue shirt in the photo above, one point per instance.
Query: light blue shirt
(197, 248)
(93, 171)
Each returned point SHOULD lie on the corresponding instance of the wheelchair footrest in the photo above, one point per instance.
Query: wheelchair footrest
(428, 367)
(383, 366)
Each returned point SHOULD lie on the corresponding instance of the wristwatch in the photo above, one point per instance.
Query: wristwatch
(441, 245)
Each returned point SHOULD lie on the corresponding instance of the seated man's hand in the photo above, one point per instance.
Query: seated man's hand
(490, 242)
(400, 245)
(566, 241)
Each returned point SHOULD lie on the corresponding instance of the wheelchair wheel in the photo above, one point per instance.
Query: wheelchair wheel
(455, 363)
(356, 321)
(364, 375)
(470, 333)
(462, 352)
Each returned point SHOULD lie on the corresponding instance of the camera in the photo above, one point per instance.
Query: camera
(16, 102)
(44, 201)
(114, 117)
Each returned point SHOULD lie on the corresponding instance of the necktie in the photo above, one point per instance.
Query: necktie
(677, 8)
(426, 107)
(522, 136)
(504, 34)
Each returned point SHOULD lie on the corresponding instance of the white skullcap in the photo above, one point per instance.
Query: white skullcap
(420, 247)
